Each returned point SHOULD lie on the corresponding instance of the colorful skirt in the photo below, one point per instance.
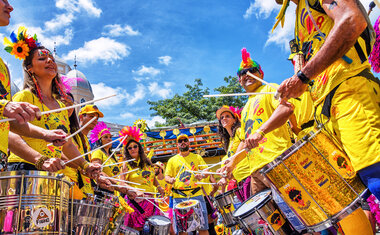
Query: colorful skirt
(137, 219)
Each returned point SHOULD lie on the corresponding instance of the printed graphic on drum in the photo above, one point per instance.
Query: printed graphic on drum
(188, 216)
(260, 215)
(309, 182)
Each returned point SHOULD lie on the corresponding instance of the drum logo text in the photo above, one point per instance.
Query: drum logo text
(41, 217)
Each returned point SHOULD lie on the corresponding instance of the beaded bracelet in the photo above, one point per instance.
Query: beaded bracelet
(40, 162)
(260, 132)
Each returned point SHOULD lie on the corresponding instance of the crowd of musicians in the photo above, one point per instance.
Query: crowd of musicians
(332, 88)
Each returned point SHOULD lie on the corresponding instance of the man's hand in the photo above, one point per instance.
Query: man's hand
(22, 111)
(131, 194)
(172, 180)
(57, 137)
(253, 140)
(52, 165)
(161, 191)
(292, 88)
(199, 176)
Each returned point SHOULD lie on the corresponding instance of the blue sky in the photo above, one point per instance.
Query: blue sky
(148, 50)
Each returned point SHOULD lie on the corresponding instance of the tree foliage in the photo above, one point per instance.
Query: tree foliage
(191, 106)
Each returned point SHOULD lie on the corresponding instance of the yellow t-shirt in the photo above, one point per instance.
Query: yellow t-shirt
(145, 177)
(309, 39)
(109, 170)
(86, 188)
(52, 121)
(5, 97)
(178, 165)
(242, 169)
(257, 111)
(164, 205)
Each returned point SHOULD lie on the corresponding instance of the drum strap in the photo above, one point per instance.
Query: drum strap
(326, 109)
(182, 191)
(137, 206)
(182, 218)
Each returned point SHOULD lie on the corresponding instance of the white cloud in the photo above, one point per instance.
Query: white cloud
(127, 115)
(101, 90)
(261, 9)
(79, 5)
(166, 60)
(101, 49)
(163, 92)
(59, 21)
(147, 70)
(152, 122)
(282, 36)
(115, 30)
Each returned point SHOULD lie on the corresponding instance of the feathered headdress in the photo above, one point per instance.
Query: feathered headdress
(247, 62)
(236, 111)
(20, 44)
(99, 130)
(374, 57)
(132, 132)
(68, 83)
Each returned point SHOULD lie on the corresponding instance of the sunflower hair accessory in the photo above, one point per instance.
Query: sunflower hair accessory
(247, 62)
(20, 44)
(132, 132)
(99, 130)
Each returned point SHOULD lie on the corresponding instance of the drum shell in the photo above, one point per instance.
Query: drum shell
(328, 193)
(85, 217)
(194, 216)
(155, 229)
(25, 193)
(266, 209)
(226, 207)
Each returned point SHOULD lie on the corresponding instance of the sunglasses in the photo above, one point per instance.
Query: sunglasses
(183, 140)
(251, 70)
(133, 147)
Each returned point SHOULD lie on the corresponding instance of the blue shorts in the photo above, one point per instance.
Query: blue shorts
(203, 207)
(371, 178)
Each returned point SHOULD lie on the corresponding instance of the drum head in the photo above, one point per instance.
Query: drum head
(186, 204)
(253, 203)
(159, 220)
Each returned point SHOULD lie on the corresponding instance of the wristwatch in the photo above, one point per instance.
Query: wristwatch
(304, 79)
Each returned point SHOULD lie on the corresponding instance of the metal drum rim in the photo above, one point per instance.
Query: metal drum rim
(225, 194)
(34, 174)
(184, 208)
(260, 205)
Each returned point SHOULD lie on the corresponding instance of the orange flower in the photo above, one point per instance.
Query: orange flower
(20, 50)
(219, 229)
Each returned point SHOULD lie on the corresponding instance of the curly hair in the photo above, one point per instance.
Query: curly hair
(224, 135)
(32, 85)
(144, 160)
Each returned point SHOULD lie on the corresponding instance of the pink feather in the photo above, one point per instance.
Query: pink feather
(102, 128)
(68, 83)
(132, 133)
(374, 57)
(245, 55)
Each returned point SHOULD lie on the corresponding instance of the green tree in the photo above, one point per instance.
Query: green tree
(191, 106)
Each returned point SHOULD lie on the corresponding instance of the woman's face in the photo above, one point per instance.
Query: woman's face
(106, 139)
(227, 119)
(133, 150)
(43, 64)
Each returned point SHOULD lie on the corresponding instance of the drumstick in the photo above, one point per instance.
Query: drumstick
(156, 206)
(120, 180)
(277, 95)
(64, 108)
(117, 163)
(79, 130)
(205, 183)
(152, 198)
(179, 172)
(114, 151)
(76, 158)
(240, 94)
(125, 173)
(208, 172)
(126, 186)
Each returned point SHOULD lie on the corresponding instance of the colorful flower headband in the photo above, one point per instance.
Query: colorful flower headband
(99, 130)
(21, 44)
(247, 62)
(132, 132)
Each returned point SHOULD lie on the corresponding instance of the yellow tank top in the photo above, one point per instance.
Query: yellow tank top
(310, 40)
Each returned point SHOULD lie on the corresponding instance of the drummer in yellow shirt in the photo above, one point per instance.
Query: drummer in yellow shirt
(184, 182)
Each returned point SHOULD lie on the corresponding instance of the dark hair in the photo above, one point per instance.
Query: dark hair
(223, 133)
(99, 143)
(28, 79)
(74, 126)
(144, 160)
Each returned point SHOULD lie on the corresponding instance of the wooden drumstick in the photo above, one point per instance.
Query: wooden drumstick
(277, 95)
(117, 163)
(125, 173)
(79, 130)
(121, 142)
(64, 108)
(241, 94)
(124, 181)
